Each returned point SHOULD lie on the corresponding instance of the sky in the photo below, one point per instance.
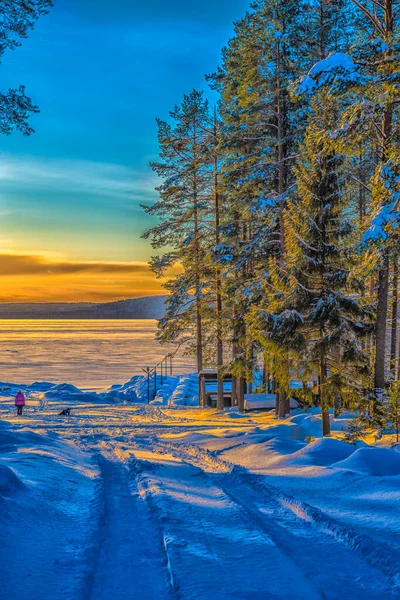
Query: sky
(101, 72)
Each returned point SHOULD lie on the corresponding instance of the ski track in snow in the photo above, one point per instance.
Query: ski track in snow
(167, 520)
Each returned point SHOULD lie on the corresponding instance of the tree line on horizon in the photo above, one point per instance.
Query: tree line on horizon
(281, 204)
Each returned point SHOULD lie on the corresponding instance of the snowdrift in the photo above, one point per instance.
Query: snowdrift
(259, 454)
(323, 452)
(186, 392)
(379, 462)
(9, 482)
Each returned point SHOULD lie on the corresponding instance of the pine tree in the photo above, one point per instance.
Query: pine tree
(367, 82)
(259, 129)
(182, 211)
(320, 317)
(17, 18)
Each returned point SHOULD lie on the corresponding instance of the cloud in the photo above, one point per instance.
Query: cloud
(25, 264)
(113, 181)
(51, 278)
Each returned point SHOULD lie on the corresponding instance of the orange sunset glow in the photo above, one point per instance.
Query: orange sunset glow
(37, 278)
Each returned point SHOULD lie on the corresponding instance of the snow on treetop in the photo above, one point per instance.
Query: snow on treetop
(334, 61)
(326, 71)
(385, 216)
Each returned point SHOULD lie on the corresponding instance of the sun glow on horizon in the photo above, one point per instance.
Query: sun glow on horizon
(50, 278)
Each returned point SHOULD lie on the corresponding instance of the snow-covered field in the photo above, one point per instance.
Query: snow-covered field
(127, 501)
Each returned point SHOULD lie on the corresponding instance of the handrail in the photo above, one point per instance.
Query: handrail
(165, 366)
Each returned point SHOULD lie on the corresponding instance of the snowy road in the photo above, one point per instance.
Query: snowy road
(132, 502)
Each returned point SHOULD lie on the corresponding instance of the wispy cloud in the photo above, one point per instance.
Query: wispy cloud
(106, 180)
(25, 264)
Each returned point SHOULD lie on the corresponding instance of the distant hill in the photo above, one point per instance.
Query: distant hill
(148, 307)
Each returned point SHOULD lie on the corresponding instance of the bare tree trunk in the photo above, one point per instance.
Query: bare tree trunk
(398, 364)
(250, 359)
(242, 389)
(371, 336)
(199, 348)
(275, 388)
(220, 353)
(235, 352)
(381, 316)
(265, 374)
(199, 330)
(326, 425)
(242, 338)
(383, 281)
(283, 406)
(395, 308)
(234, 391)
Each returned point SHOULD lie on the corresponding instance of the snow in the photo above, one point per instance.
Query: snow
(385, 216)
(9, 482)
(338, 68)
(259, 401)
(122, 500)
(322, 452)
(378, 462)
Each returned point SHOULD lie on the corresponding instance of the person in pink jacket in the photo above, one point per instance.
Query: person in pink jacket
(19, 402)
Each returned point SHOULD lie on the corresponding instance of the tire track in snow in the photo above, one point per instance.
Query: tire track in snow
(216, 550)
(288, 520)
(129, 562)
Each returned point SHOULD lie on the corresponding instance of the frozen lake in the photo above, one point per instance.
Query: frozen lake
(90, 354)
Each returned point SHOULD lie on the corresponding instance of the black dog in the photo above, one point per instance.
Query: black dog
(65, 413)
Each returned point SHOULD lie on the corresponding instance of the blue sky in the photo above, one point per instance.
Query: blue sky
(101, 72)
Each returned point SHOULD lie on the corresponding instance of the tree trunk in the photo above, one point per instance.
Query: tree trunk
(281, 154)
(383, 282)
(275, 388)
(388, 25)
(220, 353)
(234, 391)
(283, 407)
(371, 336)
(398, 364)
(265, 378)
(284, 400)
(395, 308)
(338, 404)
(199, 349)
(235, 352)
(242, 387)
(326, 425)
(283, 404)
(250, 359)
(199, 331)
(381, 316)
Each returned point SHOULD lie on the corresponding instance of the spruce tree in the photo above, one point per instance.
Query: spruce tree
(320, 316)
(367, 82)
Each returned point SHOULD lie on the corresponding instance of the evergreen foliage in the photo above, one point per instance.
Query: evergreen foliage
(17, 18)
(281, 206)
